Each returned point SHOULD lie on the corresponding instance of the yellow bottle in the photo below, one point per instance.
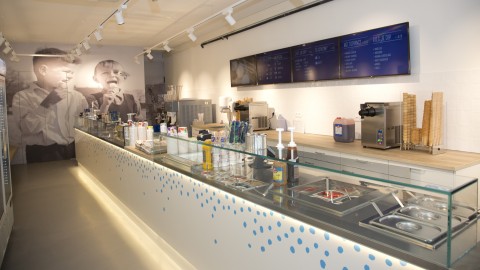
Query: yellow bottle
(207, 155)
(279, 173)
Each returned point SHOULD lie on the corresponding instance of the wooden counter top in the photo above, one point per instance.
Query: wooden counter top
(451, 160)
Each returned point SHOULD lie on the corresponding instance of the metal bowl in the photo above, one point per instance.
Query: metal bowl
(426, 215)
(408, 226)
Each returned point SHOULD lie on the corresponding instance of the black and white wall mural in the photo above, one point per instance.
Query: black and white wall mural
(46, 93)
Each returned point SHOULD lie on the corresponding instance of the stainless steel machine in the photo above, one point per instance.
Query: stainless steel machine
(256, 113)
(381, 124)
(182, 112)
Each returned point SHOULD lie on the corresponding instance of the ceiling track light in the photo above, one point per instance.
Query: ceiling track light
(7, 48)
(166, 47)
(119, 14)
(2, 39)
(191, 35)
(14, 57)
(190, 31)
(228, 16)
(98, 33)
(149, 55)
(136, 60)
(86, 45)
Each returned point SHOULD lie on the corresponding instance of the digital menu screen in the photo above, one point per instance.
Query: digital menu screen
(243, 71)
(377, 52)
(316, 61)
(274, 67)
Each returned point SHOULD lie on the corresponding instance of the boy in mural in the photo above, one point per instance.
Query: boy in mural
(110, 74)
(46, 111)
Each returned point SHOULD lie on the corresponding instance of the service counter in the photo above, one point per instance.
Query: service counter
(235, 219)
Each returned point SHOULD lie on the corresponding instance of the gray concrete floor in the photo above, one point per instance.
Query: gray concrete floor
(58, 225)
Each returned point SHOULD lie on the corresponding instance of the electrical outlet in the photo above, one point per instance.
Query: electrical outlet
(298, 115)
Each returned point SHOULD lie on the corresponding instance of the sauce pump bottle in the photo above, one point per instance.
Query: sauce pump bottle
(293, 174)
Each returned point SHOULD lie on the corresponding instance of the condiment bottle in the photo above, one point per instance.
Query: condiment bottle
(207, 155)
(293, 174)
(279, 166)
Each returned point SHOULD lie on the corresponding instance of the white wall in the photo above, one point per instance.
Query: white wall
(444, 38)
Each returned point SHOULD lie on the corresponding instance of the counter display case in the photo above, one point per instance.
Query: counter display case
(431, 222)
(109, 131)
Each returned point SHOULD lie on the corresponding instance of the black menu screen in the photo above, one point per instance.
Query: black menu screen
(274, 67)
(316, 61)
(377, 52)
(243, 71)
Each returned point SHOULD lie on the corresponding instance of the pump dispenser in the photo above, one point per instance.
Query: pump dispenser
(130, 118)
(279, 167)
(280, 146)
(293, 174)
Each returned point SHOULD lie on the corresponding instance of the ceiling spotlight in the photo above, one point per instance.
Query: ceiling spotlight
(7, 48)
(149, 55)
(14, 57)
(166, 47)
(86, 45)
(98, 34)
(191, 35)
(119, 15)
(228, 16)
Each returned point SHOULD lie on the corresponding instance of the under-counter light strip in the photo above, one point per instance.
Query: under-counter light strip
(150, 247)
(228, 12)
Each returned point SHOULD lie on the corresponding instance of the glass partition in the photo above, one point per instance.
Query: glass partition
(415, 219)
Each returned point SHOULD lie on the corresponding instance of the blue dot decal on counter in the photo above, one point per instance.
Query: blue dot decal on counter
(257, 229)
(323, 264)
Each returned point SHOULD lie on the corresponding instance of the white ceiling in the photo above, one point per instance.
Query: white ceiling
(147, 22)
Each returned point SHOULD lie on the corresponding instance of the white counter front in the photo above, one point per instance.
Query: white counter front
(214, 229)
